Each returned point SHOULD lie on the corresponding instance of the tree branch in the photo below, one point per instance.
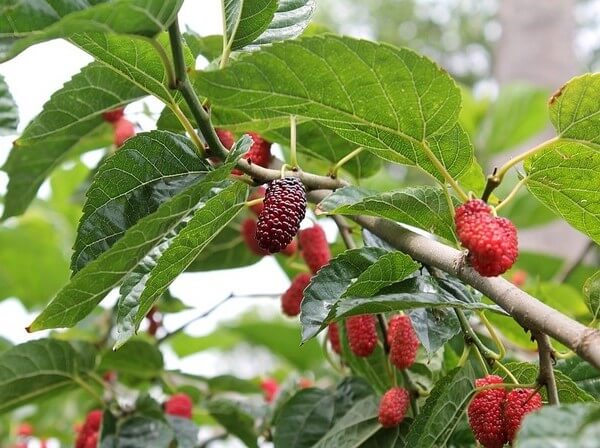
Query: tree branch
(546, 376)
(345, 231)
(525, 309)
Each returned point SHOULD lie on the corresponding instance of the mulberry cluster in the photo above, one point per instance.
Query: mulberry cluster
(284, 210)
(495, 416)
(292, 298)
(393, 407)
(89, 433)
(314, 246)
(403, 342)
(492, 241)
(179, 405)
(362, 334)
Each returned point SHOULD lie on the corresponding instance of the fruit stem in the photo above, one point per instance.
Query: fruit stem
(444, 172)
(293, 156)
(345, 231)
(465, 355)
(513, 193)
(471, 337)
(414, 392)
(497, 176)
(182, 83)
(284, 167)
(169, 71)
(493, 334)
(188, 127)
(344, 160)
(482, 363)
(254, 202)
(505, 370)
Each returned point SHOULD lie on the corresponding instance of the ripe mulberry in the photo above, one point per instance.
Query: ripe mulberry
(333, 334)
(112, 116)
(248, 231)
(89, 430)
(226, 137)
(362, 334)
(486, 413)
(403, 342)
(179, 405)
(393, 407)
(123, 131)
(270, 388)
(259, 153)
(492, 241)
(284, 210)
(292, 298)
(519, 402)
(314, 246)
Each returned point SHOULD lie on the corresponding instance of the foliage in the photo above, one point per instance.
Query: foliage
(350, 113)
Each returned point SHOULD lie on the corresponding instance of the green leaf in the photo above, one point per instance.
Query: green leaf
(135, 60)
(564, 178)
(290, 19)
(136, 358)
(317, 141)
(389, 268)
(39, 369)
(9, 115)
(575, 109)
(330, 283)
(246, 20)
(304, 419)
(31, 22)
(565, 426)
(230, 383)
(221, 339)
(519, 113)
(591, 291)
(33, 260)
(227, 250)
(422, 207)
(390, 101)
(91, 284)
(526, 373)
(186, 431)
(583, 374)
(73, 113)
(234, 419)
(141, 432)
(208, 46)
(148, 170)
(443, 409)
(355, 427)
(416, 292)
(434, 327)
(183, 250)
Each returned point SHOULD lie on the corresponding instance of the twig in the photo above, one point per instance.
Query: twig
(568, 269)
(210, 310)
(345, 231)
(546, 376)
(525, 309)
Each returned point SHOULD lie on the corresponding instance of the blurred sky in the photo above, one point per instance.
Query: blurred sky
(32, 77)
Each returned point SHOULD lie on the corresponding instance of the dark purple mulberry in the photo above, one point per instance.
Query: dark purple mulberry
(284, 209)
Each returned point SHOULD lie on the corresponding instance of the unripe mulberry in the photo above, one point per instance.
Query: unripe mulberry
(403, 342)
(362, 334)
(393, 407)
(256, 194)
(25, 430)
(284, 210)
(112, 116)
(519, 402)
(258, 154)
(492, 241)
(248, 231)
(226, 137)
(179, 405)
(123, 131)
(270, 388)
(486, 413)
(333, 334)
(314, 246)
(519, 278)
(292, 298)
